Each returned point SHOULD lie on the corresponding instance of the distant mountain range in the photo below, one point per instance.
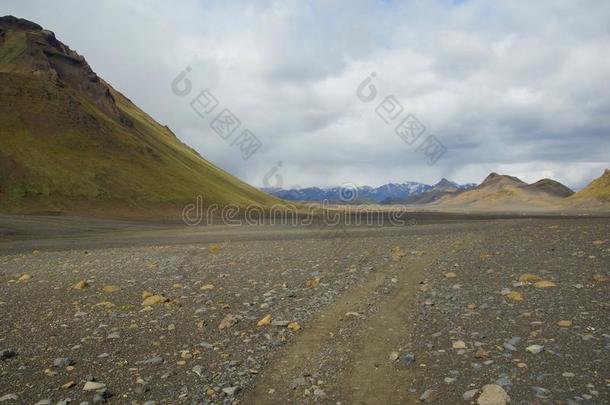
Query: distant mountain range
(391, 193)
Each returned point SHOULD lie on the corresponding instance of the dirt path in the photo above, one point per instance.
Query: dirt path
(354, 337)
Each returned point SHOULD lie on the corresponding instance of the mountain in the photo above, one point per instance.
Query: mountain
(597, 191)
(551, 187)
(364, 194)
(69, 142)
(442, 188)
(507, 192)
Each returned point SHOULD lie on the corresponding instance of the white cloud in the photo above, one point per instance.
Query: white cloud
(519, 87)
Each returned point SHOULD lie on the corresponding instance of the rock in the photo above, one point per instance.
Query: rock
(534, 349)
(428, 396)
(93, 386)
(62, 362)
(514, 296)
(7, 354)
(459, 344)
(294, 326)
(214, 249)
(81, 285)
(68, 385)
(312, 283)
(493, 394)
(227, 322)
(319, 392)
(544, 284)
(154, 300)
(152, 361)
(394, 356)
(540, 392)
(469, 395)
(265, 321)
(8, 397)
(298, 382)
(24, 277)
(529, 278)
(564, 323)
(231, 391)
(481, 353)
(109, 289)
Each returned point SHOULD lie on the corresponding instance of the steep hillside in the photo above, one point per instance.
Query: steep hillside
(597, 191)
(69, 142)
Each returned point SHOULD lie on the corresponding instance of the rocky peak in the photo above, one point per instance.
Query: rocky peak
(34, 51)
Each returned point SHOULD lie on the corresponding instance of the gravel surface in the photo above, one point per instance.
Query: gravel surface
(432, 313)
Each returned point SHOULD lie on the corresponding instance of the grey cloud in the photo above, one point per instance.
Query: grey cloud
(508, 86)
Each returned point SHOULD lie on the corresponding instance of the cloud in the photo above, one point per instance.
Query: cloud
(511, 86)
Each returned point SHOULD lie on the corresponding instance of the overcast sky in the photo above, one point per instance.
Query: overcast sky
(516, 87)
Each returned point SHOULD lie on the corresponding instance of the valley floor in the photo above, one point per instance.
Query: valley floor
(431, 311)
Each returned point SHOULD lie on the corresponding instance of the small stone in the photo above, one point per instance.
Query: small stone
(470, 394)
(93, 386)
(227, 322)
(312, 283)
(24, 277)
(265, 321)
(394, 356)
(428, 396)
(62, 362)
(152, 361)
(81, 285)
(146, 294)
(198, 370)
(451, 274)
(207, 287)
(294, 326)
(114, 335)
(529, 278)
(298, 382)
(68, 385)
(281, 323)
(564, 323)
(534, 349)
(544, 284)
(601, 278)
(44, 402)
(7, 354)
(493, 394)
(8, 397)
(230, 391)
(568, 374)
(318, 392)
(514, 296)
(154, 300)
(109, 289)
(540, 392)
(481, 353)
(459, 344)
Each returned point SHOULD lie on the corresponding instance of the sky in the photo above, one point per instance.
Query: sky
(509, 86)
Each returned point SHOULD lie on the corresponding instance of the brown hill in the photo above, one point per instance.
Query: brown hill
(71, 143)
(502, 192)
(596, 193)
